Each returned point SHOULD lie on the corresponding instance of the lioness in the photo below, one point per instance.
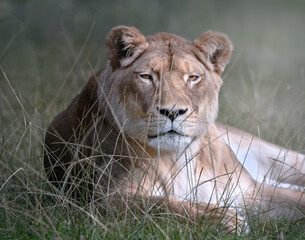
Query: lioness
(144, 129)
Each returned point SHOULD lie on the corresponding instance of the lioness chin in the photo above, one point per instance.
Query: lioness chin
(144, 128)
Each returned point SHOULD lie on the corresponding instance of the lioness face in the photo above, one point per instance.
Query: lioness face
(166, 92)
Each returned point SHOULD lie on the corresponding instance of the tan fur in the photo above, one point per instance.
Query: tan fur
(265, 161)
(141, 129)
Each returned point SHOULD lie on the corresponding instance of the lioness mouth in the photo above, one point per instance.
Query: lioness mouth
(171, 132)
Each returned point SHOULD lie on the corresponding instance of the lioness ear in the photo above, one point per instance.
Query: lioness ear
(124, 45)
(216, 48)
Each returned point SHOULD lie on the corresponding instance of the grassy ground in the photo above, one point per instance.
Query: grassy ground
(48, 49)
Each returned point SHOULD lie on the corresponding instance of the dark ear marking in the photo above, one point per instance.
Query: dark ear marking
(124, 45)
(215, 48)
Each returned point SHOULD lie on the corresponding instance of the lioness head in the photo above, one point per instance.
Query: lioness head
(163, 89)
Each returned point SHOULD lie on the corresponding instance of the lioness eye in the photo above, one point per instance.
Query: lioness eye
(146, 76)
(193, 78)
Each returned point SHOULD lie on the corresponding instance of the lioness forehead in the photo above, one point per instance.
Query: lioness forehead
(169, 52)
(169, 44)
(166, 38)
(160, 62)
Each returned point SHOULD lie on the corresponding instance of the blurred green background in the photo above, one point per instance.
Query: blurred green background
(55, 45)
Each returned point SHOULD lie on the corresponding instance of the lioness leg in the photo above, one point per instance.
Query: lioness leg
(263, 160)
(213, 214)
(279, 202)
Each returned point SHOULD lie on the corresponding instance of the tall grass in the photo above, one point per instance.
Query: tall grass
(263, 93)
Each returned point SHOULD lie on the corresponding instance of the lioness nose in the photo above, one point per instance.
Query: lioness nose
(172, 114)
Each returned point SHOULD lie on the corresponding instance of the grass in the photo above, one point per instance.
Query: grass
(263, 93)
